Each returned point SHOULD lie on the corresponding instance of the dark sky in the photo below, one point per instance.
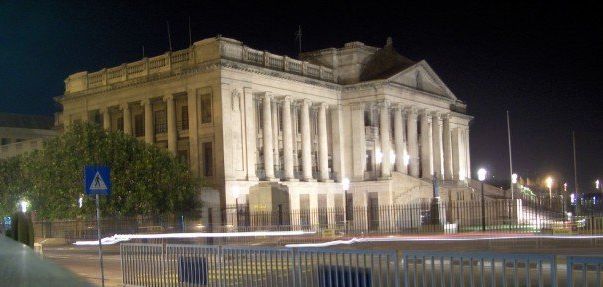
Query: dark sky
(540, 61)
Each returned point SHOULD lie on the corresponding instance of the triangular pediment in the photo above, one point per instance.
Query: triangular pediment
(422, 77)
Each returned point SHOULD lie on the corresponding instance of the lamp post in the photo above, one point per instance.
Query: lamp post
(23, 205)
(346, 186)
(549, 185)
(481, 175)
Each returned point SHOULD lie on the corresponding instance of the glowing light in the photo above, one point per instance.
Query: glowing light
(565, 187)
(514, 178)
(597, 184)
(126, 237)
(80, 202)
(392, 157)
(406, 159)
(573, 198)
(345, 183)
(378, 156)
(23, 205)
(235, 190)
(481, 174)
(549, 182)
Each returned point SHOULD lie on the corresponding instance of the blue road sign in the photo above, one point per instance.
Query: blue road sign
(97, 180)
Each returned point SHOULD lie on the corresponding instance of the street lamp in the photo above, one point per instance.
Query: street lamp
(513, 183)
(597, 184)
(346, 186)
(481, 175)
(549, 185)
(23, 205)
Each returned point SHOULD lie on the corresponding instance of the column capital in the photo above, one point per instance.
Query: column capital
(266, 96)
(145, 102)
(383, 104)
(411, 110)
(323, 105)
(124, 106)
(357, 106)
(445, 116)
(104, 110)
(398, 106)
(424, 112)
(169, 97)
(436, 114)
(306, 101)
(287, 98)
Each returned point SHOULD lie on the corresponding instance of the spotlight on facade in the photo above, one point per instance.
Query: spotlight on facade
(406, 159)
(235, 190)
(481, 174)
(378, 156)
(346, 184)
(23, 205)
(514, 178)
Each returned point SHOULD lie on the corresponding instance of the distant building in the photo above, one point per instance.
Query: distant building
(23, 133)
(272, 130)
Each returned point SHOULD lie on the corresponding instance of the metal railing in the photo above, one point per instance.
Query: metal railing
(429, 268)
(199, 265)
(589, 269)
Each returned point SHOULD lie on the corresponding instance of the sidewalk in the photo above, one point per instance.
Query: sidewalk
(20, 266)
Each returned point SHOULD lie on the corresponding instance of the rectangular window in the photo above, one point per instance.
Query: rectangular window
(206, 115)
(349, 206)
(97, 118)
(207, 159)
(183, 156)
(367, 118)
(369, 160)
(139, 125)
(184, 122)
(120, 124)
(5, 141)
(299, 120)
(160, 122)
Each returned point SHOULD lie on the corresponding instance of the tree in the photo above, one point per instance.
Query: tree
(146, 180)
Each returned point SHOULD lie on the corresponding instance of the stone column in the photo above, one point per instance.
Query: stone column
(148, 121)
(446, 146)
(437, 144)
(127, 119)
(106, 119)
(456, 145)
(399, 139)
(358, 141)
(287, 139)
(425, 145)
(306, 140)
(323, 148)
(193, 131)
(467, 153)
(250, 134)
(384, 131)
(172, 132)
(274, 110)
(267, 128)
(413, 148)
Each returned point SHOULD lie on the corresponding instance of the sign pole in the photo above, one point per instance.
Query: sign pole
(100, 246)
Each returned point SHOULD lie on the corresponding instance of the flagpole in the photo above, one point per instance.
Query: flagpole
(575, 169)
(510, 156)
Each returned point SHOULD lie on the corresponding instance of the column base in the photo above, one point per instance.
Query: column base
(327, 180)
(273, 179)
(310, 180)
(385, 178)
(292, 179)
(253, 178)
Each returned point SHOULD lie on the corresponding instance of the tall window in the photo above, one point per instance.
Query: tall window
(206, 108)
(5, 141)
(184, 121)
(160, 122)
(367, 118)
(208, 159)
(139, 125)
(120, 124)
(369, 160)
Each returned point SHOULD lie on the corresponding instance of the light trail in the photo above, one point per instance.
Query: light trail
(127, 237)
(424, 239)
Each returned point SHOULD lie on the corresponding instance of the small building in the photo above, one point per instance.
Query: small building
(23, 133)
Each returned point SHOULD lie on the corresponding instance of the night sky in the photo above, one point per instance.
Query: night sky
(542, 62)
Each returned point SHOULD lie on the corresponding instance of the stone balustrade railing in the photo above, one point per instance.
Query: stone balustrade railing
(172, 61)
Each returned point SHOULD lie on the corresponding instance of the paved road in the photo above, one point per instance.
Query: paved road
(84, 262)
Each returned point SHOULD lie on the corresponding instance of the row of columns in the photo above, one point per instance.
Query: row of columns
(172, 132)
(435, 149)
(270, 147)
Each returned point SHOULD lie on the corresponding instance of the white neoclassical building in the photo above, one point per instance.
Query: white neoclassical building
(268, 129)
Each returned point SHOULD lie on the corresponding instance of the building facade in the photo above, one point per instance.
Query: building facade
(269, 130)
(23, 133)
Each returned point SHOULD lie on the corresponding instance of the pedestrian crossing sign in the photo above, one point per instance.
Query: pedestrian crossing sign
(97, 180)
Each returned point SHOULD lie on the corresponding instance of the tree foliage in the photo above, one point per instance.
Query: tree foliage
(145, 179)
